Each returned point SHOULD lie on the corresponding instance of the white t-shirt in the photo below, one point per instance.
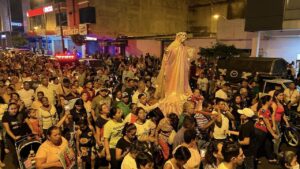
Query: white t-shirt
(128, 162)
(202, 83)
(142, 130)
(26, 96)
(48, 117)
(220, 132)
(221, 94)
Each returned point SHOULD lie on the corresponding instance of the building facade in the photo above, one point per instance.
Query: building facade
(104, 20)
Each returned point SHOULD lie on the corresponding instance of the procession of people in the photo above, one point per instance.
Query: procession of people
(140, 113)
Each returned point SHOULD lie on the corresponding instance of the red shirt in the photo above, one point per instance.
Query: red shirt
(260, 124)
(279, 113)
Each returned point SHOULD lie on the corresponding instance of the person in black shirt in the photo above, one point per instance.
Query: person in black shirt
(246, 136)
(85, 144)
(100, 122)
(236, 105)
(79, 112)
(123, 145)
(15, 126)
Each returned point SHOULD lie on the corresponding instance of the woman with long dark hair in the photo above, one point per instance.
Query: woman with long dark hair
(79, 112)
(123, 145)
(278, 115)
(87, 103)
(236, 104)
(15, 128)
(264, 132)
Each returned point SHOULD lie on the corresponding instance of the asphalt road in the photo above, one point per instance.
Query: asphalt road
(266, 165)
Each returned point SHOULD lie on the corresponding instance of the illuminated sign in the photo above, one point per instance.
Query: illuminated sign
(65, 57)
(48, 9)
(91, 38)
(3, 36)
(19, 24)
(39, 11)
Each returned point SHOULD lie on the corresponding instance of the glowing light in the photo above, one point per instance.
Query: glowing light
(216, 16)
(39, 11)
(19, 24)
(47, 9)
(91, 38)
(64, 57)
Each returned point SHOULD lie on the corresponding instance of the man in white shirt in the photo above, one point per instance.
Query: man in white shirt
(222, 93)
(222, 116)
(26, 94)
(233, 156)
(291, 97)
(202, 83)
(47, 89)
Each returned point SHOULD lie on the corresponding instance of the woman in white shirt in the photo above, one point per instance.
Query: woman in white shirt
(143, 131)
(47, 114)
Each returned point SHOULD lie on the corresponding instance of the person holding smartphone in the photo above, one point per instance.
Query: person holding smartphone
(222, 116)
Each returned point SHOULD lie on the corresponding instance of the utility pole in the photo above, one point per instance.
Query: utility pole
(61, 28)
(10, 26)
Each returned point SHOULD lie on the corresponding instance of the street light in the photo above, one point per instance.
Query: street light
(217, 16)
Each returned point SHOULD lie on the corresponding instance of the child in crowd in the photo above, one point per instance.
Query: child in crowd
(35, 123)
(197, 98)
(85, 141)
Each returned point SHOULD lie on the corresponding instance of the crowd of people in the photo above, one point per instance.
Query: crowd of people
(108, 117)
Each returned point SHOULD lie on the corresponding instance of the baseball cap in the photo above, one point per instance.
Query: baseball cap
(124, 94)
(247, 112)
